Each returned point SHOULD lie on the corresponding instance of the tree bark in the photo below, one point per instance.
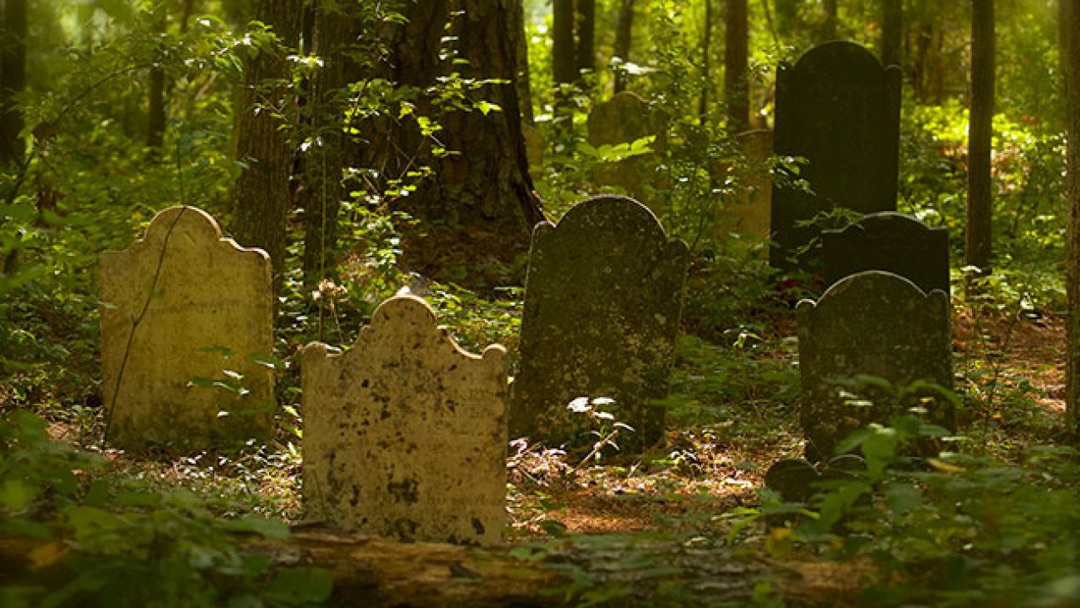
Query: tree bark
(586, 37)
(829, 25)
(706, 61)
(977, 245)
(736, 61)
(524, 83)
(892, 31)
(12, 81)
(261, 195)
(624, 28)
(476, 208)
(333, 29)
(562, 42)
(1069, 20)
(155, 118)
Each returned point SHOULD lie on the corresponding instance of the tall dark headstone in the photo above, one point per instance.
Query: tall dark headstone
(603, 298)
(888, 241)
(840, 110)
(872, 324)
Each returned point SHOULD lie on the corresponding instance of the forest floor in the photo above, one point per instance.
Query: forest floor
(677, 524)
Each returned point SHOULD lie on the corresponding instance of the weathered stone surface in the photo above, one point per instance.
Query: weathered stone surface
(623, 119)
(405, 434)
(184, 307)
(603, 297)
(889, 241)
(840, 110)
(875, 324)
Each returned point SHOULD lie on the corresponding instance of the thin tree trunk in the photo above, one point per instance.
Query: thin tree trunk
(706, 61)
(736, 60)
(261, 194)
(977, 247)
(624, 28)
(12, 81)
(524, 82)
(562, 47)
(586, 34)
(829, 26)
(1069, 14)
(155, 119)
(892, 31)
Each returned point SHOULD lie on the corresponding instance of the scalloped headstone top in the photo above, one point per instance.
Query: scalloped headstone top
(405, 433)
(889, 241)
(187, 314)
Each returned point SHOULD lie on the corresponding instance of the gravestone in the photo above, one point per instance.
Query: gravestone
(751, 211)
(871, 324)
(186, 318)
(889, 241)
(840, 110)
(405, 433)
(623, 119)
(603, 298)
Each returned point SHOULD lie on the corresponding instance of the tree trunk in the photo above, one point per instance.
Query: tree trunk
(1069, 14)
(829, 25)
(706, 62)
(333, 30)
(892, 31)
(736, 61)
(624, 28)
(261, 194)
(586, 35)
(524, 86)
(562, 42)
(155, 116)
(977, 245)
(477, 208)
(12, 81)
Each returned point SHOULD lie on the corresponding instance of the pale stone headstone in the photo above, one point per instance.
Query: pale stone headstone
(603, 299)
(888, 241)
(624, 119)
(838, 108)
(405, 433)
(186, 331)
(875, 324)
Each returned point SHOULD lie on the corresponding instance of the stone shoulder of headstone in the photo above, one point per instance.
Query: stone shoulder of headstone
(405, 433)
(889, 241)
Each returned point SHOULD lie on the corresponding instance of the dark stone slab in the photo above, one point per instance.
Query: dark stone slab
(838, 108)
(879, 325)
(603, 297)
(889, 241)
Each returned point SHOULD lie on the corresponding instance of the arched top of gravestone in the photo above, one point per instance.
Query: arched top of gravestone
(408, 320)
(193, 224)
(888, 222)
(840, 58)
(868, 291)
(597, 220)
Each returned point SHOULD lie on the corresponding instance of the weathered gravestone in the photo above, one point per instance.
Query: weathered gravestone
(888, 241)
(624, 119)
(405, 434)
(840, 110)
(603, 297)
(879, 325)
(187, 317)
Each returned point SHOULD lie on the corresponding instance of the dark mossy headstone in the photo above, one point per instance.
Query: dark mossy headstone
(889, 241)
(838, 108)
(797, 481)
(867, 328)
(603, 297)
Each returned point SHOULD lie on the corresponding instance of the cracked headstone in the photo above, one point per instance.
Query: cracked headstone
(873, 346)
(405, 433)
(186, 337)
(603, 299)
(838, 109)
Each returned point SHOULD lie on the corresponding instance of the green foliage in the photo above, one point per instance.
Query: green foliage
(110, 541)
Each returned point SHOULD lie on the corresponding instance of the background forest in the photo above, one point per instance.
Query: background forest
(374, 145)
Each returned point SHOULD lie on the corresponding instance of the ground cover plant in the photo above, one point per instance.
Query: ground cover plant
(989, 521)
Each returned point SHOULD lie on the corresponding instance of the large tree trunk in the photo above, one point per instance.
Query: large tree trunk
(524, 83)
(333, 30)
(624, 28)
(261, 194)
(892, 31)
(12, 81)
(977, 245)
(1069, 13)
(477, 208)
(736, 61)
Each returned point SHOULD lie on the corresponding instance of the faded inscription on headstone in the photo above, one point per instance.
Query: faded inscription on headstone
(186, 330)
(603, 297)
(405, 433)
(889, 241)
(878, 325)
(840, 110)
